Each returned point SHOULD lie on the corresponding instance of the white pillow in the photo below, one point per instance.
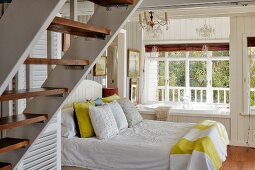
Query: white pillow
(131, 112)
(103, 122)
(119, 115)
(67, 123)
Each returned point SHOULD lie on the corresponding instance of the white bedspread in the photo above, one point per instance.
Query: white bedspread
(145, 146)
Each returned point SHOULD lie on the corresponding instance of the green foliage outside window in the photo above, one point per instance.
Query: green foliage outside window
(177, 73)
(161, 73)
(198, 75)
(220, 74)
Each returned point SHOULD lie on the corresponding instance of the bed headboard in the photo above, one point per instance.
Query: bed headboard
(86, 90)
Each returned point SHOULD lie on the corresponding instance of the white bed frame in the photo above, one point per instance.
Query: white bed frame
(87, 90)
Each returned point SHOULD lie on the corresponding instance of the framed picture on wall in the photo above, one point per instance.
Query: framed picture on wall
(133, 63)
(134, 90)
(100, 67)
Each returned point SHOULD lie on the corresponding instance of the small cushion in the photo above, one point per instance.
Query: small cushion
(92, 102)
(119, 115)
(84, 122)
(98, 102)
(103, 122)
(68, 129)
(110, 98)
(132, 114)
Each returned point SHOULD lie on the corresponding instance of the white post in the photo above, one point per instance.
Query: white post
(122, 64)
(166, 78)
(209, 95)
(187, 83)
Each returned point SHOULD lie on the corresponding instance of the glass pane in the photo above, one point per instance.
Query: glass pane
(221, 96)
(161, 73)
(159, 54)
(199, 97)
(198, 74)
(161, 95)
(182, 92)
(196, 54)
(171, 95)
(155, 79)
(215, 96)
(177, 54)
(227, 97)
(220, 53)
(177, 73)
(220, 74)
(252, 83)
(176, 97)
(204, 96)
(192, 95)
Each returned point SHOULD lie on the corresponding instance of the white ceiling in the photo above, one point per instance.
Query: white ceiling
(181, 8)
(174, 4)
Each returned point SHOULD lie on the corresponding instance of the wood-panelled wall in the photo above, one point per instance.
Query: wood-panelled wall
(239, 25)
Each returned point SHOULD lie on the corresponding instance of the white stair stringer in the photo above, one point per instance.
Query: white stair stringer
(70, 78)
(21, 26)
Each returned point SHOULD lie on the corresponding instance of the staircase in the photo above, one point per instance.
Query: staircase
(20, 29)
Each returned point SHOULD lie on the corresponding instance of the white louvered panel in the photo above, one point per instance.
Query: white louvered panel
(43, 154)
(42, 164)
(51, 166)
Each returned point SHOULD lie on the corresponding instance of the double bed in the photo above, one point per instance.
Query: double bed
(147, 145)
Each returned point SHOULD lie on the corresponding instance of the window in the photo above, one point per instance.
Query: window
(203, 77)
(249, 76)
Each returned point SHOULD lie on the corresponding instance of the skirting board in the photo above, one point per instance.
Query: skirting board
(241, 143)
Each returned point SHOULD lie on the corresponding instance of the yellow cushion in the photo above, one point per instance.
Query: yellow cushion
(84, 122)
(109, 99)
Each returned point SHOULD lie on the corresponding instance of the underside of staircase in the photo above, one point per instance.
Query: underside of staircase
(20, 29)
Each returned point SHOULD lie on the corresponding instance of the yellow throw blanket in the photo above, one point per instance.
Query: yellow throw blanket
(203, 147)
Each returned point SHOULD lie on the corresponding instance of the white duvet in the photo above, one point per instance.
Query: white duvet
(145, 146)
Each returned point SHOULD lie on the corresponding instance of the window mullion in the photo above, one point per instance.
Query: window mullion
(187, 83)
(209, 93)
(166, 77)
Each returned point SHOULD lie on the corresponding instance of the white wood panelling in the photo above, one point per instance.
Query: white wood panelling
(239, 26)
(185, 30)
(196, 119)
(135, 41)
(86, 90)
(191, 119)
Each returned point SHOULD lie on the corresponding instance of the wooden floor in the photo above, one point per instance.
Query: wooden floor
(240, 158)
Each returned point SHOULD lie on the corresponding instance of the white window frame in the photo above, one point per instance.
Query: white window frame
(209, 89)
(246, 77)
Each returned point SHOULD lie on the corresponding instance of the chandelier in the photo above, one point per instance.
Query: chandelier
(154, 51)
(153, 24)
(205, 31)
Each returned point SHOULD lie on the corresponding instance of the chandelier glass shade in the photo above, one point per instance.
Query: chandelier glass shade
(205, 32)
(153, 24)
(154, 51)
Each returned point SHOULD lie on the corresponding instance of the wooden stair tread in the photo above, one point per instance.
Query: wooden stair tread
(77, 28)
(20, 120)
(5, 166)
(28, 93)
(9, 144)
(113, 2)
(66, 62)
